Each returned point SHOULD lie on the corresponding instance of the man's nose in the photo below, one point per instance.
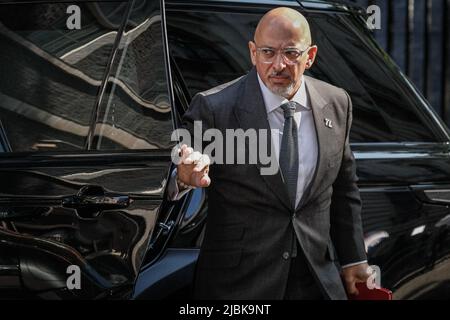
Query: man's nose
(278, 62)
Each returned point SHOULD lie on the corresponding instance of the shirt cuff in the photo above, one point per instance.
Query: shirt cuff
(173, 191)
(354, 264)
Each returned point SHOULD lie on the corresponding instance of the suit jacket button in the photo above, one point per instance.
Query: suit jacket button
(286, 255)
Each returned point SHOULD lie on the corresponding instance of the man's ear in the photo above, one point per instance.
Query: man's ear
(252, 51)
(312, 53)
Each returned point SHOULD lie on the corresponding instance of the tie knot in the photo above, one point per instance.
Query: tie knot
(289, 108)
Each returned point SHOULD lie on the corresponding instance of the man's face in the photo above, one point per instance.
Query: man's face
(279, 74)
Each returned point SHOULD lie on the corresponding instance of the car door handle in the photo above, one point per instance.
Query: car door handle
(96, 198)
(98, 202)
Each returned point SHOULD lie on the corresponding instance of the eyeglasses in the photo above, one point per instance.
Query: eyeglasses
(290, 55)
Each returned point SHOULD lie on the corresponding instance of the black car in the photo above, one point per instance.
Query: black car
(90, 92)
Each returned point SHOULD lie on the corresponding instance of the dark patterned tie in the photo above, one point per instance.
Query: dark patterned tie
(289, 150)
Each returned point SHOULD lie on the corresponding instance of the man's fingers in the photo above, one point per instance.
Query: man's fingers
(195, 167)
(203, 162)
(193, 157)
(200, 179)
(205, 181)
(185, 151)
(189, 156)
(351, 288)
(186, 155)
(363, 274)
(181, 149)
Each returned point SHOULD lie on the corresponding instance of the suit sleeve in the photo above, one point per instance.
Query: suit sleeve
(346, 224)
(198, 115)
(197, 119)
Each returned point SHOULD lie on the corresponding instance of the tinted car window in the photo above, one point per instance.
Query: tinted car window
(211, 48)
(52, 79)
(384, 110)
(51, 73)
(135, 111)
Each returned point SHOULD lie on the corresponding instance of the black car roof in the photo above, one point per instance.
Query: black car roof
(336, 5)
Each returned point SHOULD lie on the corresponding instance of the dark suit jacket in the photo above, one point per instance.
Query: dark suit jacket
(252, 227)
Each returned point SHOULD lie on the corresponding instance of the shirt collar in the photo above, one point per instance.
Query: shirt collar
(273, 101)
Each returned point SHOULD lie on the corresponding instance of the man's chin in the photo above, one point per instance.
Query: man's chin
(284, 91)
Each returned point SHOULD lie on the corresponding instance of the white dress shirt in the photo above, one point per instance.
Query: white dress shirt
(307, 139)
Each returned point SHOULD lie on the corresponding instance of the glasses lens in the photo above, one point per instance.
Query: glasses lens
(290, 56)
(267, 54)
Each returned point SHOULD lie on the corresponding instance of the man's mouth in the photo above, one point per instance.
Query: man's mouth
(280, 78)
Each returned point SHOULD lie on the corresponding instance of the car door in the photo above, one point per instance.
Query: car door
(85, 141)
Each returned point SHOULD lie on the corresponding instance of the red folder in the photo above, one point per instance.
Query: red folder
(371, 294)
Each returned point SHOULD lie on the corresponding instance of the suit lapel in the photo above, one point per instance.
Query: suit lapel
(317, 105)
(251, 114)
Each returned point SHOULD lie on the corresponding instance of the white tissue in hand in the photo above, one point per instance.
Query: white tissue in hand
(195, 157)
(198, 158)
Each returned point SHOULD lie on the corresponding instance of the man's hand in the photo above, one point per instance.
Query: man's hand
(193, 167)
(353, 274)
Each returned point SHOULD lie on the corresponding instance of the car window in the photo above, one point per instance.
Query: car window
(211, 48)
(51, 73)
(384, 110)
(55, 58)
(135, 111)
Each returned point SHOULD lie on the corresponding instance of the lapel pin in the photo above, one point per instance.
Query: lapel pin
(328, 123)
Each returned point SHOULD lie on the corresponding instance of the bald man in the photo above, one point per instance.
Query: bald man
(295, 234)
